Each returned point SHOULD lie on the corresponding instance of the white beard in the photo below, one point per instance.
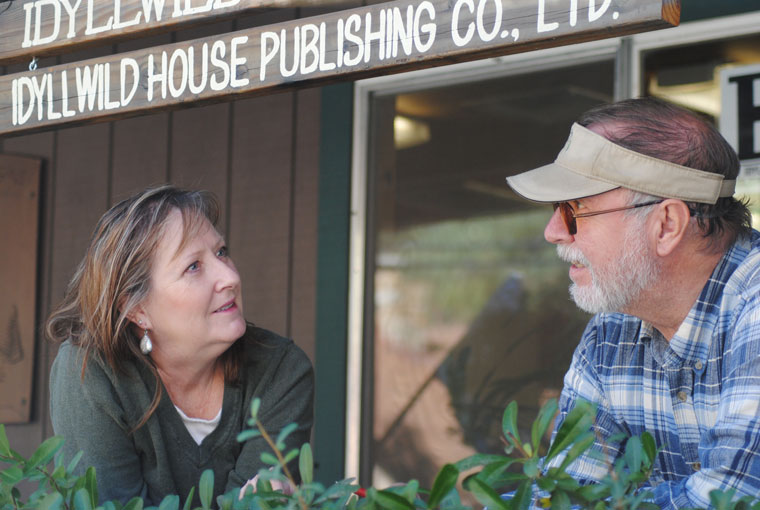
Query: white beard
(615, 285)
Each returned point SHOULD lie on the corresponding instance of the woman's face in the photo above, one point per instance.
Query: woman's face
(195, 305)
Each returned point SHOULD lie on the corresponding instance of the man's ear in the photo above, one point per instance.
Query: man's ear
(670, 223)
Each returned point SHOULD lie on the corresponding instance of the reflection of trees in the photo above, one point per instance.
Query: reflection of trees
(468, 315)
(516, 348)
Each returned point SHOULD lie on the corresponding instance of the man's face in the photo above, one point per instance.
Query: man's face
(611, 261)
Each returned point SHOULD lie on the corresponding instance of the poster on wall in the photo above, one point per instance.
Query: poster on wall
(19, 211)
(740, 115)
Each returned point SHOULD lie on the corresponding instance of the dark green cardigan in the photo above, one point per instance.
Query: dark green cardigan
(161, 458)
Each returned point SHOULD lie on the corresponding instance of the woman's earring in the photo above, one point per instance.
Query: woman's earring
(145, 344)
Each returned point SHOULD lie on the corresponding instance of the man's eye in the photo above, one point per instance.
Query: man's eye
(193, 267)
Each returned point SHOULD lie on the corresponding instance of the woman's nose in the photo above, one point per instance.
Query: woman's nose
(227, 275)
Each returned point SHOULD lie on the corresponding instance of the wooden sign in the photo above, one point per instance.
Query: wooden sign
(37, 28)
(19, 209)
(346, 45)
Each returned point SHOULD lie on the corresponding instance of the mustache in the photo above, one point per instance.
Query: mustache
(572, 254)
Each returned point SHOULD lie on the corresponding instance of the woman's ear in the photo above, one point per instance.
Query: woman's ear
(670, 223)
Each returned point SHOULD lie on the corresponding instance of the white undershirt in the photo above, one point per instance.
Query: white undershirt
(198, 427)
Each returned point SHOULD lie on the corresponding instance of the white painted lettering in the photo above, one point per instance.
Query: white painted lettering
(217, 52)
(427, 28)
(130, 63)
(458, 39)
(24, 116)
(87, 86)
(593, 13)
(189, 9)
(197, 89)
(236, 61)
(154, 77)
(370, 36)
(117, 23)
(179, 54)
(91, 30)
(65, 96)
(107, 103)
(14, 101)
(27, 24)
(72, 12)
(156, 6)
(402, 33)
(323, 64)
(542, 25)
(309, 47)
(38, 22)
(51, 113)
(573, 12)
(480, 22)
(284, 71)
(339, 46)
(353, 23)
(267, 56)
(223, 4)
(39, 89)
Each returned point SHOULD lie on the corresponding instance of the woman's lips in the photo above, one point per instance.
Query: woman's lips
(226, 307)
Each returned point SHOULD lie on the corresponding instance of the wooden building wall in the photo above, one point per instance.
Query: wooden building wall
(259, 156)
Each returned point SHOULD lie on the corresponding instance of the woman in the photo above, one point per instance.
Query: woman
(157, 365)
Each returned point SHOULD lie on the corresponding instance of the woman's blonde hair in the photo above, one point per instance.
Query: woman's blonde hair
(114, 278)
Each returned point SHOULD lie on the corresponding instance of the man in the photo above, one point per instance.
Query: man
(666, 258)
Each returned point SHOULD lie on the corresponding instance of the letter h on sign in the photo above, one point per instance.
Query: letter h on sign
(748, 115)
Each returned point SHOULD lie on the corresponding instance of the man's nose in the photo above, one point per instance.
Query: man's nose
(556, 231)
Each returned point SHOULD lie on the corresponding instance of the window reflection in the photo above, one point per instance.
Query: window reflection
(471, 308)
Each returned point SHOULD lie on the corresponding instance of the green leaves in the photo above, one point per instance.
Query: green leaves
(44, 453)
(542, 423)
(486, 495)
(306, 464)
(5, 448)
(577, 421)
(206, 488)
(509, 424)
(444, 482)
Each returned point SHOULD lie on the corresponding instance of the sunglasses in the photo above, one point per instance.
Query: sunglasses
(569, 215)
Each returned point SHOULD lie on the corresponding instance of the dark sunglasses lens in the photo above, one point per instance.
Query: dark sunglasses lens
(567, 216)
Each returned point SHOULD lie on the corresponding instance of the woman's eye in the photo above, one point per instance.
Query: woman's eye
(222, 252)
(193, 267)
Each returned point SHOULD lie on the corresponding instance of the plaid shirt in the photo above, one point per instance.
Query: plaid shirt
(698, 395)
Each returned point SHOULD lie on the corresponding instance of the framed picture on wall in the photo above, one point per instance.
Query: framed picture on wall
(19, 223)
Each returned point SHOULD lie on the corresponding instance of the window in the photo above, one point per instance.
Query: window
(467, 305)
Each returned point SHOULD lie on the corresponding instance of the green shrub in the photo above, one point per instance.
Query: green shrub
(518, 471)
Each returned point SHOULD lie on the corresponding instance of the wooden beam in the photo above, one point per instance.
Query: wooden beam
(385, 38)
(39, 28)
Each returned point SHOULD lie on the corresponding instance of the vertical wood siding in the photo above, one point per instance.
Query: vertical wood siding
(259, 156)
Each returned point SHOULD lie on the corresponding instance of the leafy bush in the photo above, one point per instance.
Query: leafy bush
(519, 472)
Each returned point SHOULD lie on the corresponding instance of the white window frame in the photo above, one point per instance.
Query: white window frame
(364, 90)
(688, 33)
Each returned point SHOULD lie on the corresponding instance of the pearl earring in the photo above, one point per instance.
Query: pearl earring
(145, 344)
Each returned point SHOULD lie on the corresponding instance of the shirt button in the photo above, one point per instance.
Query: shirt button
(682, 396)
(698, 365)
(696, 466)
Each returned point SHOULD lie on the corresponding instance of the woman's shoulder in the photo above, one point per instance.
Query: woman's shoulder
(264, 348)
(76, 373)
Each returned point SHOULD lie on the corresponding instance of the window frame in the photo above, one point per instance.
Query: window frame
(357, 390)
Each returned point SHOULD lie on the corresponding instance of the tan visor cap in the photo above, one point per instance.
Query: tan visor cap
(590, 164)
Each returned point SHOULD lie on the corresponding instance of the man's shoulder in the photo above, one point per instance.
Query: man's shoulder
(745, 278)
